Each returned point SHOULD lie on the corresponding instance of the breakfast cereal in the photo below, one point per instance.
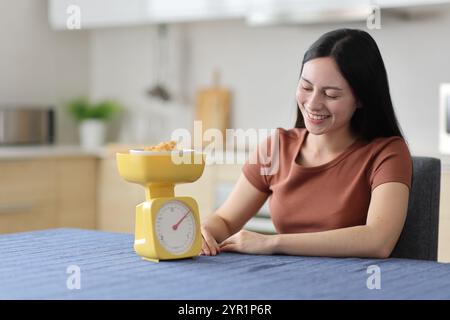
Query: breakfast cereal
(163, 146)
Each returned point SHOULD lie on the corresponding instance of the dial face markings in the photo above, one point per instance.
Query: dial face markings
(175, 227)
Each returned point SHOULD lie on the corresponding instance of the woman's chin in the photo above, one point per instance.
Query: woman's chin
(315, 130)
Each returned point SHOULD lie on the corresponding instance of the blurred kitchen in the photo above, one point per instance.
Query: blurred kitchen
(152, 66)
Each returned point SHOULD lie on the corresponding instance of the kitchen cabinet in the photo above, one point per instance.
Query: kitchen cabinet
(77, 192)
(117, 198)
(112, 13)
(97, 13)
(108, 13)
(195, 10)
(42, 193)
(27, 195)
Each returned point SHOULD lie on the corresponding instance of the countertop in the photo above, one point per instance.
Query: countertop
(46, 151)
(27, 152)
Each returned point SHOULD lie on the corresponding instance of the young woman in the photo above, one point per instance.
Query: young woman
(345, 170)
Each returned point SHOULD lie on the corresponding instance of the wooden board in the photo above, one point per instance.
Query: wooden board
(213, 108)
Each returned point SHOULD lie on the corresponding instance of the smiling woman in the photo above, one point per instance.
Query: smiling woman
(344, 175)
(346, 65)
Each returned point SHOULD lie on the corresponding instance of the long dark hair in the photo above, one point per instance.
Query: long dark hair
(359, 61)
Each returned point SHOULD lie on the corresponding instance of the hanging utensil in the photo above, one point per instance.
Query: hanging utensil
(159, 90)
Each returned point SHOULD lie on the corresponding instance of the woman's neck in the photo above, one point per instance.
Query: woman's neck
(329, 143)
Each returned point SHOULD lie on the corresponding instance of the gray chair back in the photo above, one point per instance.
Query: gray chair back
(419, 238)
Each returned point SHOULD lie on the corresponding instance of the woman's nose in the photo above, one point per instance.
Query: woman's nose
(314, 101)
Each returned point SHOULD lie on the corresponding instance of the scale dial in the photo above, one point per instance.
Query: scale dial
(175, 227)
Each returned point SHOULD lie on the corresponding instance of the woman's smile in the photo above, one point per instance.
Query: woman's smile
(316, 118)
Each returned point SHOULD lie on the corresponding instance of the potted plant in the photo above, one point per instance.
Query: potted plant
(92, 118)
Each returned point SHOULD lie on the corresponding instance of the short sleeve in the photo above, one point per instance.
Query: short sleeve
(392, 164)
(253, 168)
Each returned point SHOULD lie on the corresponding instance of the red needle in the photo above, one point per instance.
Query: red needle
(175, 226)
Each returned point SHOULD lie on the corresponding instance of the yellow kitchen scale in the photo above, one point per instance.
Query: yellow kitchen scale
(167, 226)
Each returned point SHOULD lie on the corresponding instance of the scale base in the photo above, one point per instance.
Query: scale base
(151, 260)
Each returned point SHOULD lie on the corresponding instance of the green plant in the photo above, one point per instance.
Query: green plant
(82, 109)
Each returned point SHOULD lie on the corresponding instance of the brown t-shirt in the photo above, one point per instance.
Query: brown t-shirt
(329, 196)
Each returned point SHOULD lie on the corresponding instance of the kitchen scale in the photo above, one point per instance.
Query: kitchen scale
(167, 226)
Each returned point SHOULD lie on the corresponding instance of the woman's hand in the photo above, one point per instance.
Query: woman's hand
(209, 244)
(248, 242)
(242, 204)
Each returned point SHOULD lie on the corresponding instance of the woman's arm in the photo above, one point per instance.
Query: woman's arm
(385, 220)
(242, 204)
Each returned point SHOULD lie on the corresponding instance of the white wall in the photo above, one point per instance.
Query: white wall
(416, 58)
(261, 66)
(39, 66)
(123, 67)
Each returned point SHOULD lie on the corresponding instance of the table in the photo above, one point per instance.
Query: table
(35, 265)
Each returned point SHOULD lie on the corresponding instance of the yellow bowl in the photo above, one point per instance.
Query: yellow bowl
(161, 167)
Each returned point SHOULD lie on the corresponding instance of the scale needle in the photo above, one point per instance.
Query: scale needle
(175, 226)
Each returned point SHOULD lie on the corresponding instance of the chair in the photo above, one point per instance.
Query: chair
(419, 238)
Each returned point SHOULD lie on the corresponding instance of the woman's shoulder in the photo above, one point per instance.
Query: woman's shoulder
(393, 142)
(389, 160)
(387, 146)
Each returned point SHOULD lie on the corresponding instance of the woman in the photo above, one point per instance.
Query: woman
(344, 173)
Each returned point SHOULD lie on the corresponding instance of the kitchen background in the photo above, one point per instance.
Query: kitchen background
(259, 64)
(121, 49)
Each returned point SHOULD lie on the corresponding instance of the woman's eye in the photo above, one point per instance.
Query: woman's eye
(306, 89)
(331, 96)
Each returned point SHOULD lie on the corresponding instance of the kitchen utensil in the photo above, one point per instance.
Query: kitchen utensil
(167, 226)
(213, 106)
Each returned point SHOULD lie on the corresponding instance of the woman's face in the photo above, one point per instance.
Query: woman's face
(324, 97)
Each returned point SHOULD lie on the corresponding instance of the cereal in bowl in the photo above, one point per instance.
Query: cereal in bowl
(162, 146)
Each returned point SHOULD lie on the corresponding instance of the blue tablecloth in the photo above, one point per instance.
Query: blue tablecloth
(34, 265)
